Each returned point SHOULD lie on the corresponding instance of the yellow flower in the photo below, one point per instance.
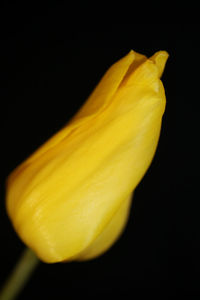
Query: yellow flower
(71, 198)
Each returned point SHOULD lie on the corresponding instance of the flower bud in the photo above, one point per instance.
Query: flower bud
(71, 198)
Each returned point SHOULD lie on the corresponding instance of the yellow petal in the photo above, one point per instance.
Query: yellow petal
(110, 233)
(96, 102)
(160, 59)
(62, 199)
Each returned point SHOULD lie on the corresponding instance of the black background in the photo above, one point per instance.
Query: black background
(49, 68)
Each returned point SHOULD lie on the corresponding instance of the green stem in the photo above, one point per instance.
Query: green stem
(19, 276)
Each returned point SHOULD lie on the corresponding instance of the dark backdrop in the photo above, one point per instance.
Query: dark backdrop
(49, 68)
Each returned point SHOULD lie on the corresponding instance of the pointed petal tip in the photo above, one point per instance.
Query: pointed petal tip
(131, 51)
(160, 59)
(131, 54)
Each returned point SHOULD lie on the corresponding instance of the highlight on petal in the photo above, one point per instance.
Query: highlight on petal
(71, 198)
(109, 234)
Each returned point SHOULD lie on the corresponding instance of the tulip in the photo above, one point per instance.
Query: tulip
(70, 200)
